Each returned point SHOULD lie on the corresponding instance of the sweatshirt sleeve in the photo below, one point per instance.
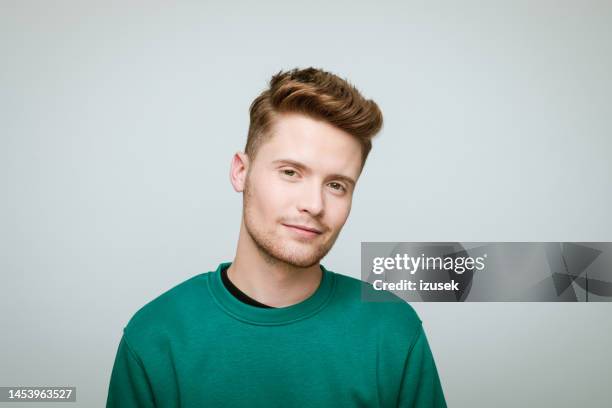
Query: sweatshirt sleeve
(129, 385)
(421, 387)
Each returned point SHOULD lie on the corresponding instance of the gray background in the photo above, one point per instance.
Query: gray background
(118, 122)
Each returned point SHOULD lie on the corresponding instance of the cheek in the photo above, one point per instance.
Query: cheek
(271, 199)
(338, 213)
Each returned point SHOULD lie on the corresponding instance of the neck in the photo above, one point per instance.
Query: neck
(269, 280)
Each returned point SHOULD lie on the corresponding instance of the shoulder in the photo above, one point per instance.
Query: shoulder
(388, 310)
(169, 311)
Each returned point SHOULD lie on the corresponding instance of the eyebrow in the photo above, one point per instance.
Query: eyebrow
(306, 168)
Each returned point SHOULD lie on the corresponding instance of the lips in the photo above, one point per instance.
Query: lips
(304, 227)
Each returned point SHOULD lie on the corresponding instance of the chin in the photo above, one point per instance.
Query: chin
(286, 248)
(299, 254)
(301, 260)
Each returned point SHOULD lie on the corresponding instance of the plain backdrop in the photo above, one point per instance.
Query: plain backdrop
(118, 121)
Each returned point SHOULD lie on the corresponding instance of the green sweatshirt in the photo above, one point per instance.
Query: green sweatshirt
(197, 345)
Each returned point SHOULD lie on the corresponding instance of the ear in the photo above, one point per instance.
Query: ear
(238, 171)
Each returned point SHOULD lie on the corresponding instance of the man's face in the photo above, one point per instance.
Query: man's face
(302, 176)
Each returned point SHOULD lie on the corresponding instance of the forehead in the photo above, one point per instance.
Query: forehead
(314, 143)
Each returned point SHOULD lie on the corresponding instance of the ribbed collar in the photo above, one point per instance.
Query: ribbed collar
(275, 316)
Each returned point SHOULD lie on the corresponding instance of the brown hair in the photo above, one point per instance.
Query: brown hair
(318, 94)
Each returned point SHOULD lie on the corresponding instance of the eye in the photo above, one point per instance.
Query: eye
(337, 186)
(289, 172)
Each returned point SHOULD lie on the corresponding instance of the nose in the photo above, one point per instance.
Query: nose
(311, 200)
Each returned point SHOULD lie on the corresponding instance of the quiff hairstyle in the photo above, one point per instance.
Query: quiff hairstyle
(317, 94)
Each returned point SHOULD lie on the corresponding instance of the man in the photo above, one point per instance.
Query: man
(274, 327)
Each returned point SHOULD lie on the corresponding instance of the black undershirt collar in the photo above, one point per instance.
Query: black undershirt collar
(238, 294)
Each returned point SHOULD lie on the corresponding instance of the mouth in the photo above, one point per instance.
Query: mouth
(303, 230)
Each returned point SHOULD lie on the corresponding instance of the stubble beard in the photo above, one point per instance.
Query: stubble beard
(276, 249)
